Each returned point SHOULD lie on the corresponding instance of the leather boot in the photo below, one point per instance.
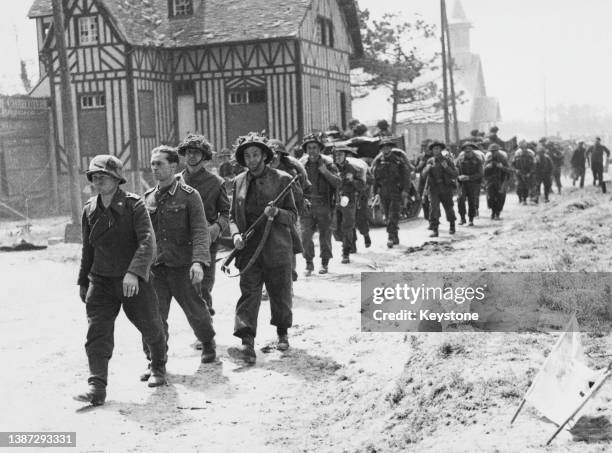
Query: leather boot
(395, 239)
(209, 351)
(324, 264)
(345, 259)
(434, 232)
(158, 376)
(245, 352)
(95, 395)
(283, 342)
(144, 377)
(309, 268)
(367, 241)
(462, 222)
(452, 228)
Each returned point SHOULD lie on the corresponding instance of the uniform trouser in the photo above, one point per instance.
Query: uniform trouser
(361, 216)
(345, 218)
(320, 218)
(278, 284)
(496, 198)
(597, 169)
(545, 181)
(391, 205)
(579, 173)
(557, 177)
(103, 302)
(424, 198)
(209, 277)
(174, 282)
(470, 192)
(523, 186)
(446, 199)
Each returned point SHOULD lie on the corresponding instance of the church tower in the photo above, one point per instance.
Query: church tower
(459, 30)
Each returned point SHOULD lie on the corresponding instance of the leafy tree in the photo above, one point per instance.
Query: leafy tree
(392, 60)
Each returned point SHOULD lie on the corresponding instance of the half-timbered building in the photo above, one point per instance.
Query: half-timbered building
(146, 72)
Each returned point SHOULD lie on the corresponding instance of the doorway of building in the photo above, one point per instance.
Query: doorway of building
(246, 112)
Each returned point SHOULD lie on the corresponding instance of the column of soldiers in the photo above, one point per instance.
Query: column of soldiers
(140, 252)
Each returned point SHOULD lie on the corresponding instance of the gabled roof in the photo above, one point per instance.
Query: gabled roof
(146, 22)
(458, 15)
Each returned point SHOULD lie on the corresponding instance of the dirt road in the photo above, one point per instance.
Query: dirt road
(336, 389)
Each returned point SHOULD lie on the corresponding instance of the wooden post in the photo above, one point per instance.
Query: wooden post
(450, 72)
(55, 198)
(444, 75)
(131, 100)
(70, 141)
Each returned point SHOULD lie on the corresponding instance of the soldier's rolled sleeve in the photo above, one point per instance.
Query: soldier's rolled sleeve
(287, 212)
(87, 252)
(200, 235)
(143, 257)
(223, 208)
(232, 218)
(332, 176)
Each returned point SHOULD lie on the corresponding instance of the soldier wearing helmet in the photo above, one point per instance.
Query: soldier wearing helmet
(543, 172)
(441, 177)
(266, 257)
(289, 164)
(196, 150)
(347, 196)
(470, 168)
(324, 179)
(497, 172)
(523, 163)
(117, 253)
(391, 178)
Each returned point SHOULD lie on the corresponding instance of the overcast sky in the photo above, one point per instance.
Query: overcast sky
(524, 44)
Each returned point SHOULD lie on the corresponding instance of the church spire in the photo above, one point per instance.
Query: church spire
(458, 15)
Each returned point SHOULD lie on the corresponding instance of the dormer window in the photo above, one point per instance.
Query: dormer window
(88, 30)
(325, 32)
(180, 8)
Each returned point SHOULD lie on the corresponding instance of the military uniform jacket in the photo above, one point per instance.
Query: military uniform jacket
(524, 161)
(391, 174)
(440, 179)
(278, 249)
(471, 167)
(353, 187)
(493, 173)
(543, 166)
(180, 225)
(116, 240)
(321, 190)
(214, 197)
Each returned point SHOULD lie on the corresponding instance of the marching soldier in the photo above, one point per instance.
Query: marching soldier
(441, 177)
(497, 171)
(362, 215)
(285, 162)
(595, 154)
(391, 177)
(470, 168)
(425, 155)
(494, 138)
(183, 250)
(118, 249)
(324, 179)
(524, 164)
(557, 158)
(347, 197)
(266, 257)
(579, 161)
(197, 150)
(543, 173)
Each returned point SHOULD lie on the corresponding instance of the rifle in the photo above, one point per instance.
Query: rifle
(249, 232)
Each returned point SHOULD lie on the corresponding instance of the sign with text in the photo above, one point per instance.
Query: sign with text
(484, 301)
